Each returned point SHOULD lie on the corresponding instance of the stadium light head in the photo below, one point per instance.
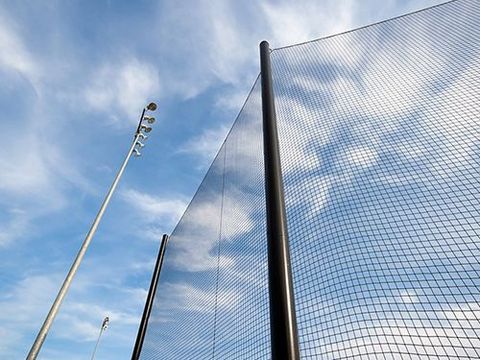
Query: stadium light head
(142, 136)
(139, 144)
(152, 106)
(136, 153)
(149, 119)
(105, 323)
(146, 128)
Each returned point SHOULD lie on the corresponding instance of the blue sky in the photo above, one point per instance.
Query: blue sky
(75, 77)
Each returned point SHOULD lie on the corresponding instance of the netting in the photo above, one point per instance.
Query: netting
(383, 186)
(379, 139)
(212, 299)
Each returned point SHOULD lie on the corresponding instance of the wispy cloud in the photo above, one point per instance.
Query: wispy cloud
(34, 172)
(13, 53)
(84, 319)
(34, 183)
(232, 53)
(156, 214)
(125, 85)
(28, 170)
(15, 226)
(212, 50)
(291, 23)
(22, 308)
(185, 296)
(205, 145)
(430, 334)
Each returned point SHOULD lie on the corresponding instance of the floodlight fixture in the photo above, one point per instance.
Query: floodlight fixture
(146, 128)
(149, 119)
(142, 136)
(136, 153)
(152, 106)
(105, 323)
(139, 144)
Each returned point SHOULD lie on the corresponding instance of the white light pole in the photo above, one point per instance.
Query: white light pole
(135, 147)
(104, 327)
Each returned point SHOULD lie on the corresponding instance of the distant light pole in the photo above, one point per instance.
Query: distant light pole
(104, 327)
(142, 128)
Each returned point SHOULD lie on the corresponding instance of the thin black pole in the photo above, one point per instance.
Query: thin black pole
(140, 122)
(142, 329)
(283, 324)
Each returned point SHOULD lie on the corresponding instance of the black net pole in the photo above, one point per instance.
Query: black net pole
(283, 325)
(149, 302)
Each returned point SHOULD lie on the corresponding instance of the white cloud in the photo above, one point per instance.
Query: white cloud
(231, 101)
(237, 212)
(27, 179)
(154, 208)
(370, 109)
(361, 156)
(156, 215)
(244, 145)
(294, 22)
(14, 227)
(197, 236)
(207, 144)
(404, 333)
(25, 171)
(200, 232)
(299, 121)
(454, 127)
(222, 52)
(185, 296)
(25, 303)
(313, 191)
(8, 339)
(213, 47)
(126, 85)
(387, 327)
(22, 309)
(408, 296)
(34, 172)
(34, 178)
(83, 320)
(219, 41)
(13, 53)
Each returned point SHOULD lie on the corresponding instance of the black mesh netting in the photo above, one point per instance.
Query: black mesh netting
(212, 298)
(379, 140)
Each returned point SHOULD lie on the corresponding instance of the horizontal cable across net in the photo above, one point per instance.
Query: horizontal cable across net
(379, 140)
(379, 134)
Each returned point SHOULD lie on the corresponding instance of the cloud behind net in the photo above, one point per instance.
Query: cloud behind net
(379, 144)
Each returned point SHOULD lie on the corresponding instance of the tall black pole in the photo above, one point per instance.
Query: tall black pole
(142, 329)
(283, 326)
